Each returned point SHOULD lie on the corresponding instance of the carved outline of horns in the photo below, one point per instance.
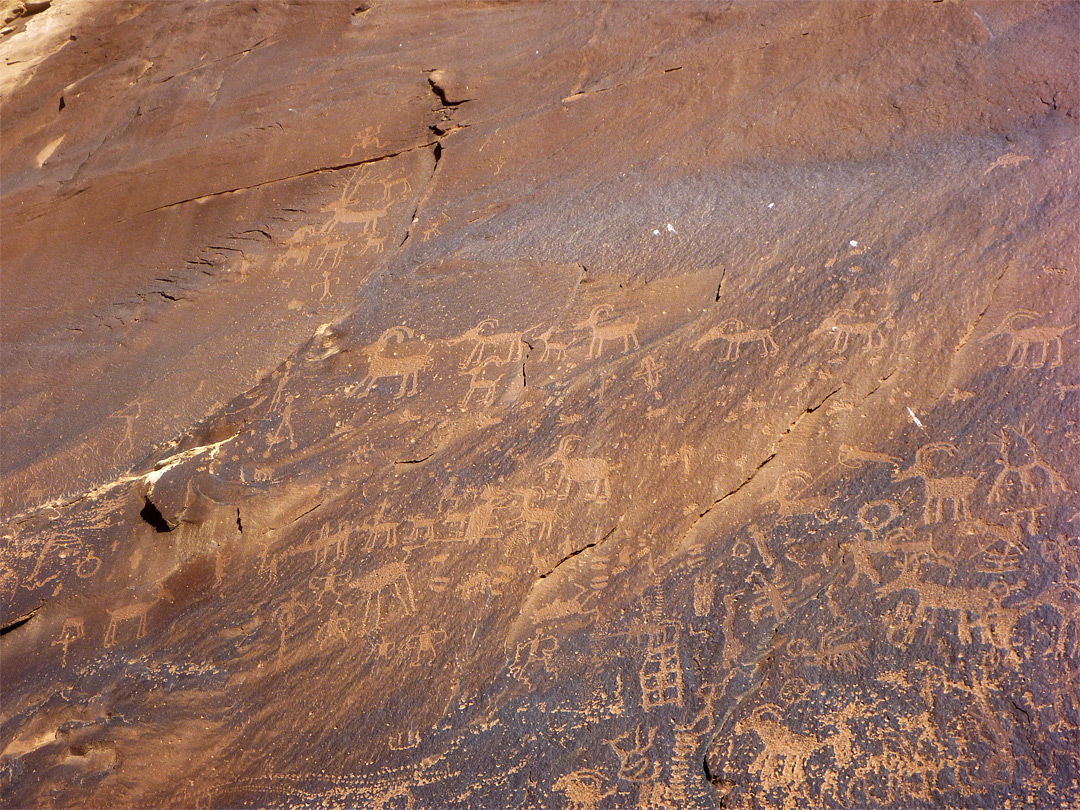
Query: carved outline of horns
(565, 442)
(864, 514)
(948, 448)
(402, 333)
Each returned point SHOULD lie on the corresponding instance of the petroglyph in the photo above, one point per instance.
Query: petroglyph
(342, 210)
(389, 581)
(592, 473)
(553, 349)
(789, 494)
(584, 789)
(489, 343)
(842, 325)
(737, 333)
(394, 355)
(955, 490)
(1019, 455)
(613, 330)
(73, 629)
(134, 612)
(1024, 340)
(532, 515)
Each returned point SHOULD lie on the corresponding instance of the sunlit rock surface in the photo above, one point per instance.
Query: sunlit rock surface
(540, 404)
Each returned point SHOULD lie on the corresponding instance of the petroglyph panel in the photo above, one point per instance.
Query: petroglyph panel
(535, 406)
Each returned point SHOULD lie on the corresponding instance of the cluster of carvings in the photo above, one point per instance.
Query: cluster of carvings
(941, 557)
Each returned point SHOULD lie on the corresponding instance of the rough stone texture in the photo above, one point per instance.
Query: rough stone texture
(540, 404)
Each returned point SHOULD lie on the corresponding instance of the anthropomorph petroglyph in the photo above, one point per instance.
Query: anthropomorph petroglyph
(73, 629)
(1019, 456)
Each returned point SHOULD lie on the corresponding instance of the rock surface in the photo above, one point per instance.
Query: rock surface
(538, 404)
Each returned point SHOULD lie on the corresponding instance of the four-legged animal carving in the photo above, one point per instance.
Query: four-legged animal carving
(298, 247)
(785, 752)
(341, 211)
(842, 326)
(133, 612)
(789, 491)
(484, 337)
(954, 489)
(619, 329)
(392, 579)
(591, 472)
(385, 362)
(534, 515)
(553, 349)
(1023, 338)
(736, 333)
(481, 385)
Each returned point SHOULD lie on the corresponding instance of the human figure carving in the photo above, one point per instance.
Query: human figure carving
(422, 645)
(1019, 456)
(1022, 338)
(385, 362)
(956, 490)
(337, 628)
(648, 371)
(482, 520)
(73, 629)
(130, 414)
(736, 333)
(592, 472)
(842, 325)
(619, 329)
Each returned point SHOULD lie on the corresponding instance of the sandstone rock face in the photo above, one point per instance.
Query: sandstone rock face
(586, 405)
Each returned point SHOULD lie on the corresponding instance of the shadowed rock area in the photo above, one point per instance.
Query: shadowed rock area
(540, 404)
